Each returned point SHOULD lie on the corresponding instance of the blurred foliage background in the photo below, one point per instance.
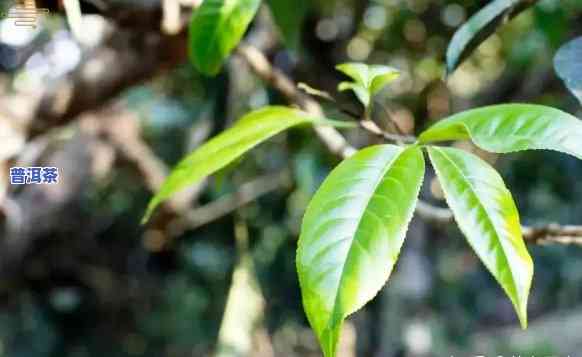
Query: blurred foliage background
(113, 110)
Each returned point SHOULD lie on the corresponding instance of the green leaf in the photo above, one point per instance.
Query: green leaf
(289, 16)
(480, 26)
(352, 233)
(216, 29)
(368, 79)
(512, 127)
(488, 217)
(568, 64)
(225, 148)
(361, 92)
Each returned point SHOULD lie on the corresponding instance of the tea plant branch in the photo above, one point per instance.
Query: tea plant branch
(548, 234)
(364, 122)
(374, 129)
(330, 137)
(553, 234)
(261, 66)
(434, 214)
(337, 144)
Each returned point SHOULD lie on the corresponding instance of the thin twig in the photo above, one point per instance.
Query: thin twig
(374, 129)
(227, 204)
(434, 214)
(261, 66)
(553, 234)
(549, 234)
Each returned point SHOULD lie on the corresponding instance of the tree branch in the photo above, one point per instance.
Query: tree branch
(261, 66)
(132, 50)
(553, 233)
(225, 205)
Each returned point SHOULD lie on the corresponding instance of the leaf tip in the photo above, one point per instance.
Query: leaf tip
(149, 211)
(521, 310)
(451, 64)
(523, 318)
(145, 219)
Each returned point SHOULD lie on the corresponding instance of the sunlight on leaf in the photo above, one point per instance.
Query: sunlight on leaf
(352, 233)
(248, 132)
(486, 213)
(512, 127)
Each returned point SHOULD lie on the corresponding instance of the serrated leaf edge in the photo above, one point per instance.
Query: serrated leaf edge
(522, 315)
